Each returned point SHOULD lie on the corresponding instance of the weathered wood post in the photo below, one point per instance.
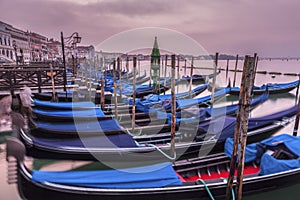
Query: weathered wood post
(115, 89)
(227, 66)
(191, 77)
(173, 125)
(120, 75)
(139, 66)
(39, 78)
(178, 76)
(165, 81)
(102, 88)
(51, 74)
(127, 67)
(185, 67)
(214, 80)
(296, 126)
(235, 68)
(241, 128)
(134, 95)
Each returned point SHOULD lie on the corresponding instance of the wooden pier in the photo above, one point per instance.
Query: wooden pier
(38, 75)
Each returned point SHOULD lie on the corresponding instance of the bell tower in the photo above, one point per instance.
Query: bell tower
(155, 63)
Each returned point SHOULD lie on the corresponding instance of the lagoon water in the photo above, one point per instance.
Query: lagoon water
(275, 103)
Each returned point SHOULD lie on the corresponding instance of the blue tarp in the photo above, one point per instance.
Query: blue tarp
(205, 113)
(253, 123)
(271, 86)
(180, 103)
(81, 126)
(109, 141)
(269, 164)
(64, 105)
(89, 113)
(146, 103)
(152, 176)
(127, 89)
(185, 103)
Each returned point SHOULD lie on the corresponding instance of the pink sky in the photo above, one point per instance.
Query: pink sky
(270, 28)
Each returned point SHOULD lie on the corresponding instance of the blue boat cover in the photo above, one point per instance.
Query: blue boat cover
(81, 126)
(269, 164)
(185, 103)
(127, 89)
(180, 103)
(205, 113)
(153, 98)
(253, 123)
(152, 176)
(271, 86)
(89, 113)
(109, 141)
(64, 105)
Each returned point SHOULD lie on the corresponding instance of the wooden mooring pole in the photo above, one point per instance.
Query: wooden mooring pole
(102, 88)
(115, 89)
(119, 67)
(173, 125)
(165, 81)
(241, 128)
(296, 126)
(134, 95)
(235, 68)
(191, 77)
(214, 80)
(165, 76)
(227, 66)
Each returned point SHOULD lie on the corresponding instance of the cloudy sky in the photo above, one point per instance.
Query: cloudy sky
(268, 27)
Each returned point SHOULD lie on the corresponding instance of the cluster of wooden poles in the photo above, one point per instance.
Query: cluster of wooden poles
(240, 133)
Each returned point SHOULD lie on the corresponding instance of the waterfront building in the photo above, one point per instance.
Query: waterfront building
(6, 49)
(54, 50)
(18, 41)
(38, 47)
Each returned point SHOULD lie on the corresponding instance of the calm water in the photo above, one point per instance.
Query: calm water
(275, 103)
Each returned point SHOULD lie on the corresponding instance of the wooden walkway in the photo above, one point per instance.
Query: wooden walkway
(14, 77)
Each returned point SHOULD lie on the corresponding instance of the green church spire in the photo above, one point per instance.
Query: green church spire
(155, 62)
(155, 50)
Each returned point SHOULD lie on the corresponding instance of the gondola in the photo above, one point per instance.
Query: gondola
(97, 113)
(274, 166)
(60, 111)
(198, 77)
(150, 99)
(272, 88)
(71, 96)
(146, 106)
(142, 90)
(133, 149)
(161, 122)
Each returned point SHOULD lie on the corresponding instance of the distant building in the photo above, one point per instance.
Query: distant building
(24, 47)
(6, 49)
(16, 42)
(54, 50)
(38, 47)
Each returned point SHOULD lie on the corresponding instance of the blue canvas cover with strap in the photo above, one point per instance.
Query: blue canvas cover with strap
(109, 141)
(81, 126)
(152, 176)
(269, 164)
(87, 113)
(253, 123)
(64, 105)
